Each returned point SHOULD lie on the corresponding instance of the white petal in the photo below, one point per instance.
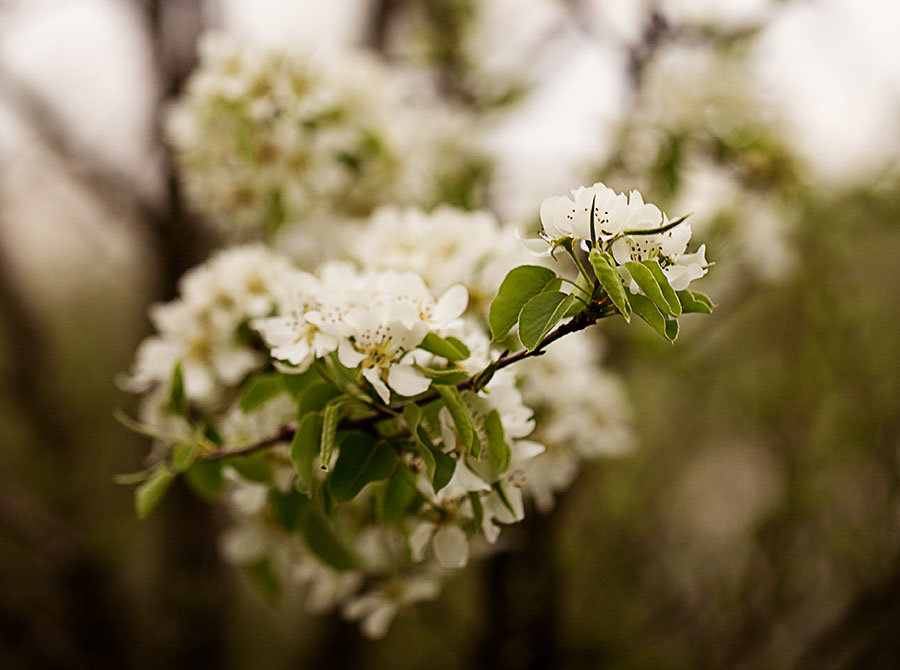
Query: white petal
(536, 245)
(372, 376)
(377, 623)
(418, 539)
(451, 547)
(451, 305)
(406, 380)
(348, 356)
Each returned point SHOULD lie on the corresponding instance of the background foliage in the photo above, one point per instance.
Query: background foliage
(755, 526)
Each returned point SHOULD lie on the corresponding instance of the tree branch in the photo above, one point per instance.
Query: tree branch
(472, 383)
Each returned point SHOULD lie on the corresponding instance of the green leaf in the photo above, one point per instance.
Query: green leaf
(605, 269)
(177, 401)
(288, 508)
(316, 396)
(361, 460)
(331, 416)
(447, 347)
(324, 540)
(453, 376)
(399, 493)
(518, 287)
(444, 469)
(205, 479)
(263, 574)
(255, 467)
(461, 417)
(650, 313)
(695, 302)
(645, 279)
(184, 455)
(260, 389)
(498, 449)
(671, 329)
(305, 446)
(540, 314)
(148, 495)
(666, 288)
(422, 445)
(296, 384)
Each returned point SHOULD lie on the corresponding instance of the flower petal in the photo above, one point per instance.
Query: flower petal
(451, 547)
(450, 305)
(406, 380)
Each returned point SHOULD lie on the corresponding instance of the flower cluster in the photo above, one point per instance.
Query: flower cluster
(442, 247)
(362, 427)
(265, 138)
(633, 230)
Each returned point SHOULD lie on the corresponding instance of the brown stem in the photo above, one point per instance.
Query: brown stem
(286, 432)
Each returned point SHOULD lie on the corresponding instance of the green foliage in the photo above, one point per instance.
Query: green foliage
(316, 396)
(450, 348)
(498, 449)
(305, 446)
(452, 376)
(149, 494)
(695, 302)
(605, 269)
(649, 312)
(540, 314)
(462, 418)
(323, 538)
(205, 479)
(331, 415)
(361, 460)
(518, 287)
(184, 455)
(255, 467)
(177, 401)
(399, 493)
(649, 276)
(260, 389)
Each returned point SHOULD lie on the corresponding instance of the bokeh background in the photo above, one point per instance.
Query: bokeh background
(757, 522)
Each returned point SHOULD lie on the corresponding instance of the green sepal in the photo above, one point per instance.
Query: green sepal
(540, 315)
(605, 270)
(518, 287)
(149, 494)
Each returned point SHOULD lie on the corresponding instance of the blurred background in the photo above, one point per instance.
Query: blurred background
(756, 524)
